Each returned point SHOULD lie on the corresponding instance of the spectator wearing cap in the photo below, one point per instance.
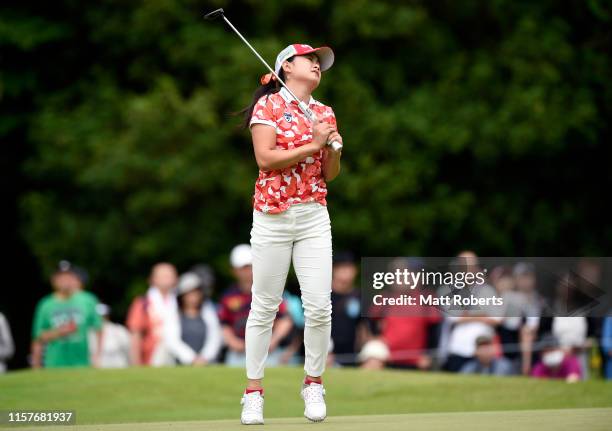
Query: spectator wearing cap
(148, 316)
(487, 361)
(87, 297)
(62, 322)
(89, 301)
(7, 347)
(195, 337)
(115, 349)
(556, 363)
(373, 355)
(346, 309)
(234, 309)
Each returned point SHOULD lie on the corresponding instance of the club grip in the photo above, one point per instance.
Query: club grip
(336, 146)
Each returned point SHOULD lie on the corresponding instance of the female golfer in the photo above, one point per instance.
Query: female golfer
(290, 219)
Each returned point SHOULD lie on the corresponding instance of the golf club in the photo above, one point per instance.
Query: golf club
(336, 146)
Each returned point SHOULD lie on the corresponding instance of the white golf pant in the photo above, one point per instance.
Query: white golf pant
(302, 232)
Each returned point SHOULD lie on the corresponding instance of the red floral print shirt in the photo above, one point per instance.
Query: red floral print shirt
(278, 189)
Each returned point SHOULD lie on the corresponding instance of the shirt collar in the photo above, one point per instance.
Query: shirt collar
(289, 99)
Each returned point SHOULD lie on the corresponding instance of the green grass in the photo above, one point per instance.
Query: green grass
(213, 393)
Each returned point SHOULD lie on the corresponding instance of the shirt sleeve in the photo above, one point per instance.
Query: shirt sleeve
(95, 320)
(225, 315)
(332, 117)
(175, 344)
(214, 338)
(136, 316)
(263, 112)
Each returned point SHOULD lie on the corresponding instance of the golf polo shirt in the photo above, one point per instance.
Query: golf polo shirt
(278, 189)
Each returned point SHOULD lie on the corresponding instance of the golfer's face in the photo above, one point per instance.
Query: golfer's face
(307, 66)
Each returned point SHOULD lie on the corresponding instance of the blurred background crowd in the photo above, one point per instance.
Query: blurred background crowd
(188, 320)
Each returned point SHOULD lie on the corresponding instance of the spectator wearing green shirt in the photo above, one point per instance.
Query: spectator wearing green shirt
(62, 321)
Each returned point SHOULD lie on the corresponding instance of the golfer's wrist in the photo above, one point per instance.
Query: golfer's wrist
(311, 148)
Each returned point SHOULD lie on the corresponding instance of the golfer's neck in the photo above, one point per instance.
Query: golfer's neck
(301, 90)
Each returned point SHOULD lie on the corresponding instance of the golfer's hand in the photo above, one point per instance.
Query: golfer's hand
(320, 133)
(335, 137)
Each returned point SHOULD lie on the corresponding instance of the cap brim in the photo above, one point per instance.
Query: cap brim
(326, 57)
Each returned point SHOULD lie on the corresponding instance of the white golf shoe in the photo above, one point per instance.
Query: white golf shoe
(314, 402)
(252, 409)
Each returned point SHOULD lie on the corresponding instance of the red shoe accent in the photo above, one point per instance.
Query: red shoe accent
(308, 381)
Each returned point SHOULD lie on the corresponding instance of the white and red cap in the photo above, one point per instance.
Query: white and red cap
(325, 54)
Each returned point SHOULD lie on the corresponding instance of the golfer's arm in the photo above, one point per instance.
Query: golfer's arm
(331, 164)
(268, 156)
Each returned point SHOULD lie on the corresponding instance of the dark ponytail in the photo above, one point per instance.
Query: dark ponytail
(273, 86)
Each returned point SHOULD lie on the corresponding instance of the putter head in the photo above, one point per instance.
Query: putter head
(214, 14)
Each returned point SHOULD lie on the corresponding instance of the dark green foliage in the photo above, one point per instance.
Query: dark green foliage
(471, 124)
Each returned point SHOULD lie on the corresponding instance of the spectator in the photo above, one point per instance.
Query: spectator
(525, 280)
(346, 309)
(471, 324)
(88, 298)
(571, 331)
(195, 338)
(516, 311)
(374, 354)
(406, 334)
(486, 360)
(90, 301)
(62, 321)
(115, 349)
(606, 345)
(555, 363)
(148, 316)
(7, 348)
(234, 311)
